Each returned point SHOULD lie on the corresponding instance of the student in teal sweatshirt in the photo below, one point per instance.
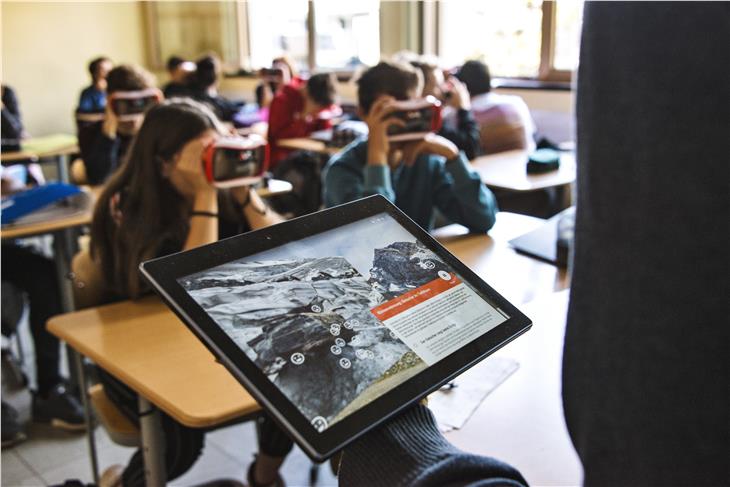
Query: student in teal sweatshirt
(418, 176)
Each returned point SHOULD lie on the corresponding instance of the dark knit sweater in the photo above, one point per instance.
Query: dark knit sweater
(411, 451)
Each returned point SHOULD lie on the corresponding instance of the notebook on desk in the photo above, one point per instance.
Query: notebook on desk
(552, 241)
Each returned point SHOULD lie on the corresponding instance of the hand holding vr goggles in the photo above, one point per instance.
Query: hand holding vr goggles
(236, 161)
(128, 105)
(419, 117)
(209, 163)
(125, 110)
(456, 94)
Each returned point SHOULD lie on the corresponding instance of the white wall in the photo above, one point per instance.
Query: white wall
(47, 46)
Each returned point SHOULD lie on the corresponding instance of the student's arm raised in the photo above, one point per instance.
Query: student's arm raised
(188, 177)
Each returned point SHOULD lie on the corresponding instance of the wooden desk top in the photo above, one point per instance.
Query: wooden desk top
(275, 186)
(144, 345)
(40, 147)
(515, 276)
(147, 347)
(507, 170)
(521, 422)
(305, 143)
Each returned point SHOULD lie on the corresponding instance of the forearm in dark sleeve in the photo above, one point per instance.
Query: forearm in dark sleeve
(465, 135)
(463, 198)
(101, 158)
(410, 450)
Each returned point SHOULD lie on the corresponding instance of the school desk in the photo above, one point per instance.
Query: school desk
(307, 144)
(144, 345)
(57, 147)
(508, 170)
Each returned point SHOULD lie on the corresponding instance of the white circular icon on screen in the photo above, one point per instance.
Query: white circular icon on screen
(335, 350)
(340, 342)
(360, 353)
(319, 423)
(444, 275)
(316, 308)
(297, 358)
(345, 363)
(429, 264)
(354, 340)
(335, 330)
(349, 324)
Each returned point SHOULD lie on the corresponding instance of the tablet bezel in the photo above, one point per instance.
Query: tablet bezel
(163, 274)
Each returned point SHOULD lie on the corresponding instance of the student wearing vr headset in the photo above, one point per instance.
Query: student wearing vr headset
(130, 91)
(460, 126)
(163, 200)
(420, 175)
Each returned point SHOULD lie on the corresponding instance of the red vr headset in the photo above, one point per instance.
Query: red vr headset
(274, 75)
(236, 161)
(421, 117)
(128, 105)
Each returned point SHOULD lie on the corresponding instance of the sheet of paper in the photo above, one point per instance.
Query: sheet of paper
(453, 407)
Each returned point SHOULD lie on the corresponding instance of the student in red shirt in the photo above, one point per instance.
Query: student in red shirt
(300, 108)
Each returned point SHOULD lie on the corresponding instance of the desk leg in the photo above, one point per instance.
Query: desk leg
(153, 444)
(62, 165)
(62, 248)
(91, 439)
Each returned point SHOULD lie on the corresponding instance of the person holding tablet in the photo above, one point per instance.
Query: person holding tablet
(645, 376)
(419, 176)
(157, 203)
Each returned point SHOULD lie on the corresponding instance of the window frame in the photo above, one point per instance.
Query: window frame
(546, 71)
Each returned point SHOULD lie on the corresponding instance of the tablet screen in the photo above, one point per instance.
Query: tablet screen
(337, 319)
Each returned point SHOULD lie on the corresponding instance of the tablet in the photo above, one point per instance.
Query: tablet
(338, 320)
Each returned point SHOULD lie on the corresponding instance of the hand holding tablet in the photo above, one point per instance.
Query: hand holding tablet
(337, 320)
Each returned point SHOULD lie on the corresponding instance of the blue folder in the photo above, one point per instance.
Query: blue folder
(20, 204)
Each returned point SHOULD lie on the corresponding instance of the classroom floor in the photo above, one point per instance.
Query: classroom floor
(50, 456)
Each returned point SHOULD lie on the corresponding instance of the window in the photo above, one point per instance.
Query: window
(568, 22)
(505, 35)
(516, 38)
(276, 28)
(520, 38)
(347, 33)
(191, 29)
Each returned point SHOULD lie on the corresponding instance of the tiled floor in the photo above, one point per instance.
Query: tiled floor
(50, 456)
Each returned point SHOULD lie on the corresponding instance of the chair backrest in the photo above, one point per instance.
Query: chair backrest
(88, 281)
(120, 429)
(501, 128)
